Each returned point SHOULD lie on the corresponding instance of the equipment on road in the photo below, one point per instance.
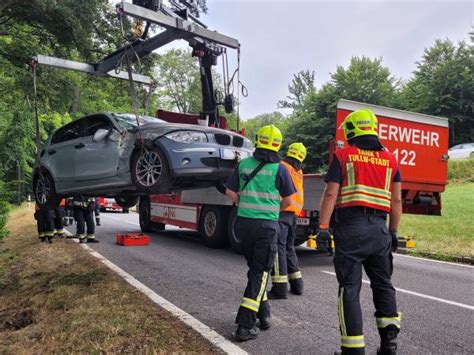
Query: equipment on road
(132, 239)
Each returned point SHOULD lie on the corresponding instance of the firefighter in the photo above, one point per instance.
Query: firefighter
(58, 219)
(84, 215)
(260, 187)
(44, 217)
(364, 186)
(286, 268)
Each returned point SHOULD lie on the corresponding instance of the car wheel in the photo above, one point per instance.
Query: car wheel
(150, 171)
(44, 190)
(234, 241)
(126, 202)
(212, 226)
(144, 213)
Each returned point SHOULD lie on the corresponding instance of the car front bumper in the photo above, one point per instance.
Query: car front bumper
(201, 162)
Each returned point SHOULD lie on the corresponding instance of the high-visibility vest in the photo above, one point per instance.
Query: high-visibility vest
(260, 199)
(297, 199)
(367, 178)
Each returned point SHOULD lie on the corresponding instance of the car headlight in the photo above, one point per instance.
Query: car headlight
(248, 144)
(187, 137)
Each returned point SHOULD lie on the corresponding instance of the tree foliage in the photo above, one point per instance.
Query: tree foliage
(312, 121)
(443, 85)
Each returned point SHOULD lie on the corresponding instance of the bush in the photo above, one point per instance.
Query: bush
(461, 170)
(4, 209)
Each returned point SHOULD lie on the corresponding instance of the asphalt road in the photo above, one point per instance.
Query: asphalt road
(436, 299)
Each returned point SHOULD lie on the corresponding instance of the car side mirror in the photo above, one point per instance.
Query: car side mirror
(100, 135)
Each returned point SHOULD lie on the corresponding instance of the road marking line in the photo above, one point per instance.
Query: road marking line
(212, 336)
(401, 290)
(433, 260)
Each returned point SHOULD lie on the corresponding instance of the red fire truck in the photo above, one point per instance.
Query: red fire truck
(420, 142)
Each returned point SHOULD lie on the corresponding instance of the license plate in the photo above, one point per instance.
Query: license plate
(303, 221)
(230, 154)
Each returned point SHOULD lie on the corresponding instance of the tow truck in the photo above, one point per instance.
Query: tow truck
(419, 142)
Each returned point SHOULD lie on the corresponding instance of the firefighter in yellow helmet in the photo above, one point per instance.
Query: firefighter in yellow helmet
(260, 187)
(286, 268)
(363, 189)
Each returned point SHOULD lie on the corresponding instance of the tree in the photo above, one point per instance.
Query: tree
(302, 85)
(443, 85)
(252, 125)
(313, 119)
(179, 79)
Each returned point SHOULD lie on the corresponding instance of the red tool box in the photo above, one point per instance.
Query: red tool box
(132, 239)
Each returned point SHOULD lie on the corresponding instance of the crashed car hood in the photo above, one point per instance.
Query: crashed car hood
(164, 128)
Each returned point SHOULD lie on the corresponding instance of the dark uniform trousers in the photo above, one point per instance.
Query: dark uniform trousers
(286, 267)
(363, 241)
(58, 219)
(259, 238)
(45, 222)
(84, 216)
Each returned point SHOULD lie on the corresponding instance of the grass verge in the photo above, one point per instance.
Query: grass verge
(57, 299)
(447, 236)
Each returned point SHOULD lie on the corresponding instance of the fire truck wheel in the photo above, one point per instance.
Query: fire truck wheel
(144, 211)
(150, 171)
(234, 242)
(212, 226)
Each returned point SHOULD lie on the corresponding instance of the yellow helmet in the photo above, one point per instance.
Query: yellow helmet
(269, 137)
(297, 151)
(360, 123)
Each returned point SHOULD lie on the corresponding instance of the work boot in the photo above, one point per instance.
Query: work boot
(92, 240)
(50, 240)
(296, 286)
(42, 239)
(279, 291)
(388, 344)
(265, 323)
(244, 334)
(82, 240)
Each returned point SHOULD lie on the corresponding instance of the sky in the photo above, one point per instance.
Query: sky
(279, 38)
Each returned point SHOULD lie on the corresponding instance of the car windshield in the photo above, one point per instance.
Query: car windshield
(129, 121)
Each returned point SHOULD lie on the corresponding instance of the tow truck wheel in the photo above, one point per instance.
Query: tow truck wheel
(212, 226)
(150, 171)
(235, 243)
(144, 212)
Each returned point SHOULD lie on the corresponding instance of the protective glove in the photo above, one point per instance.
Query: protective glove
(323, 240)
(394, 241)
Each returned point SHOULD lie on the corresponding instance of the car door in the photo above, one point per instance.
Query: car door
(97, 160)
(60, 153)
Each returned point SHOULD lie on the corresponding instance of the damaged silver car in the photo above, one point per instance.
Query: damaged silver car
(106, 154)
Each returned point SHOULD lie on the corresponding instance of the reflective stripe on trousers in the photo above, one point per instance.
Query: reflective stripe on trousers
(255, 304)
(295, 275)
(353, 341)
(383, 322)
